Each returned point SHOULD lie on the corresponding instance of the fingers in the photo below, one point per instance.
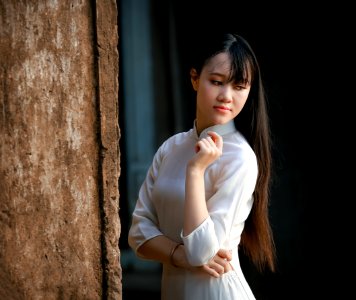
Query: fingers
(216, 138)
(225, 254)
(219, 264)
(213, 270)
(204, 144)
(212, 141)
(207, 151)
(216, 269)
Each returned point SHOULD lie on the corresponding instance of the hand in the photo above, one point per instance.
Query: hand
(219, 264)
(208, 150)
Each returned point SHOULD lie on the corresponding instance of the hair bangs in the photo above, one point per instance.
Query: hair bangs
(242, 65)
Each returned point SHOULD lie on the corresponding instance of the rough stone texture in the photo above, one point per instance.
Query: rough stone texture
(107, 42)
(59, 224)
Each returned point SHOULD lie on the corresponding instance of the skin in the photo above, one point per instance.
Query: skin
(218, 102)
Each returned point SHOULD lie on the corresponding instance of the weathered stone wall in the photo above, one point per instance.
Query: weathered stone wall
(59, 155)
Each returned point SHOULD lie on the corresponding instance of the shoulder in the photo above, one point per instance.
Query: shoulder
(238, 154)
(176, 140)
(236, 143)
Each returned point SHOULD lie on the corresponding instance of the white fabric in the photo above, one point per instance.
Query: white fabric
(229, 184)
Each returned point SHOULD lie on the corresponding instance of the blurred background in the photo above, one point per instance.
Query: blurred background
(296, 47)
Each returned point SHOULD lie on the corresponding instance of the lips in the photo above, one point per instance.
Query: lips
(224, 108)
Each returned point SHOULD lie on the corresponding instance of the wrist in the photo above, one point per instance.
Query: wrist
(171, 255)
(194, 170)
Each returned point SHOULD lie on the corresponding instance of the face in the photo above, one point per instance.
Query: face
(218, 101)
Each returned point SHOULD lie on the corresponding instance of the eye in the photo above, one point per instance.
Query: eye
(216, 82)
(239, 87)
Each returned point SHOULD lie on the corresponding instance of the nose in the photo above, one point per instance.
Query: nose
(225, 94)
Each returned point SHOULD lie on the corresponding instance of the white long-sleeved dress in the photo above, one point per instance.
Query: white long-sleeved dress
(229, 185)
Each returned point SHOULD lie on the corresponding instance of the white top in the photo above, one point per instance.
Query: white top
(229, 184)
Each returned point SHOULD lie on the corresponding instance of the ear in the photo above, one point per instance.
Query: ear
(194, 78)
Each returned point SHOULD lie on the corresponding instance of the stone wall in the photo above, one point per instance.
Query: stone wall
(59, 154)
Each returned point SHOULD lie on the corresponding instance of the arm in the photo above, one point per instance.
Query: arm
(160, 249)
(217, 266)
(195, 209)
(145, 237)
(229, 202)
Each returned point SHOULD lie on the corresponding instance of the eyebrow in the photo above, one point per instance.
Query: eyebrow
(217, 74)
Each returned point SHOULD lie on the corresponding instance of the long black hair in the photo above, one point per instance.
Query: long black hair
(257, 238)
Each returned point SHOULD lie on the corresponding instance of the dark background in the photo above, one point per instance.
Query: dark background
(305, 60)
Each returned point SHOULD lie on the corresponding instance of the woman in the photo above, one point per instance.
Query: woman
(206, 192)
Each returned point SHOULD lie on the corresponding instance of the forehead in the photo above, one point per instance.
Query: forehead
(220, 63)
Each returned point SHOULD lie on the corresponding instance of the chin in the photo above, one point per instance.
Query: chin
(221, 122)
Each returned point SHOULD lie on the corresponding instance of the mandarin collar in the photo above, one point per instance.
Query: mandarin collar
(223, 129)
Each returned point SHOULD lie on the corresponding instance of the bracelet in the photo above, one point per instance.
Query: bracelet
(172, 253)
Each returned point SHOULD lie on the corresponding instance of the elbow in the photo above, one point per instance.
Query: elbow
(202, 244)
(199, 257)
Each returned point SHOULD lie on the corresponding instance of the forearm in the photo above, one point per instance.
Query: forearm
(158, 248)
(217, 266)
(195, 210)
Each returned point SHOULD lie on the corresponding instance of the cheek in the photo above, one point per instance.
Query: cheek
(208, 92)
(204, 93)
(237, 110)
(242, 98)
(240, 103)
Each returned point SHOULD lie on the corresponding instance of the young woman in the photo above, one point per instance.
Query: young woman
(206, 193)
